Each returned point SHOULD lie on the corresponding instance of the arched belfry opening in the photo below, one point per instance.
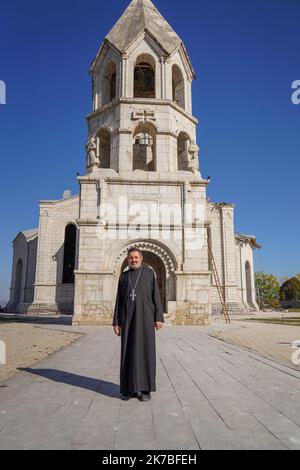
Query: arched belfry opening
(104, 148)
(144, 147)
(144, 77)
(178, 86)
(109, 83)
(183, 144)
(69, 254)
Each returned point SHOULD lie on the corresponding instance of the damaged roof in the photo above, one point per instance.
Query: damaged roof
(248, 239)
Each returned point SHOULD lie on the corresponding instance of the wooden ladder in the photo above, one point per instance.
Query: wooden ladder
(220, 290)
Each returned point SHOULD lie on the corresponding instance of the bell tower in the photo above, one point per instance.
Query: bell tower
(142, 98)
(142, 146)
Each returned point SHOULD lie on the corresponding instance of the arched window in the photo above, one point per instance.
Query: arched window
(178, 86)
(18, 282)
(144, 148)
(248, 283)
(183, 144)
(144, 77)
(109, 83)
(103, 148)
(210, 252)
(69, 254)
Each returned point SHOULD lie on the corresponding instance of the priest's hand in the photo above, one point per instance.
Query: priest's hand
(117, 330)
(159, 325)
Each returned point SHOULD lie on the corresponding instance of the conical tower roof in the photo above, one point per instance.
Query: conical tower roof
(139, 16)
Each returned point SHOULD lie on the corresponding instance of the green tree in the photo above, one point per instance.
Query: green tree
(290, 290)
(268, 290)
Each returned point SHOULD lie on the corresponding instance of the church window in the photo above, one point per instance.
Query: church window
(69, 254)
(144, 77)
(248, 283)
(18, 282)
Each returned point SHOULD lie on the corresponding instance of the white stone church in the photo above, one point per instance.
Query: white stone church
(143, 187)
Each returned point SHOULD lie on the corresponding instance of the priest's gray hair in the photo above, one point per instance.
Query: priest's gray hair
(134, 250)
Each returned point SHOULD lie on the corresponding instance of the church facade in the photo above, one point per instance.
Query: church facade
(143, 187)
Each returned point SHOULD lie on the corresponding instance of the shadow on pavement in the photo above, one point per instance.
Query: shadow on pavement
(107, 389)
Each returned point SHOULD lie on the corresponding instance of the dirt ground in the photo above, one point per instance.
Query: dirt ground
(270, 340)
(27, 344)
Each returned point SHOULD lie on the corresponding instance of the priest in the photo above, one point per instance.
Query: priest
(138, 313)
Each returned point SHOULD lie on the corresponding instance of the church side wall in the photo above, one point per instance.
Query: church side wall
(225, 255)
(51, 295)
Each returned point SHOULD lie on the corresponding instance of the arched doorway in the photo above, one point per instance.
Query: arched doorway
(18, 283)
(154, 262)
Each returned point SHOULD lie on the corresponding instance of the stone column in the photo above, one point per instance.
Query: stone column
(45, 282)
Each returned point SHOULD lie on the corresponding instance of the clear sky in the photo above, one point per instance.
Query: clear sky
(246, 54)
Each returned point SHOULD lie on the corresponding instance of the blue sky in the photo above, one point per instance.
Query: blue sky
(246, 55)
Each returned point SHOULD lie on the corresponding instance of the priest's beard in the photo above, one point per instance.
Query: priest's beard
(135, 268)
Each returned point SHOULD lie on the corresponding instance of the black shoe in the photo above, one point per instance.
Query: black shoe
(144, 396)
(127, 396)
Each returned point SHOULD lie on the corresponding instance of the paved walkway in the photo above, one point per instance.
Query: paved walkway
(211, 395)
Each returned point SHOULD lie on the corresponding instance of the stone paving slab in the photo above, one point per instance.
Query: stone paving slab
(211, 395)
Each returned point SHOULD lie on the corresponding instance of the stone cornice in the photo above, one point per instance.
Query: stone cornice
(145, 102)
(58, 202)
(88, 222)
(193, 273)
(95, 273)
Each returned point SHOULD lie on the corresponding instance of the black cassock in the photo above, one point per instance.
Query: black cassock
(137, 321)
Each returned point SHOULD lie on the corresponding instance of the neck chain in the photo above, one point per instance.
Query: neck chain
(133, 289)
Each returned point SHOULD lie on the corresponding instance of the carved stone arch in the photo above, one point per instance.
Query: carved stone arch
(148, 123)
(154, 247)
(155, 253)
(180, 131)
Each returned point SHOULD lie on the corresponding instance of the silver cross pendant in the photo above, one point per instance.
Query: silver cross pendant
(133, 295)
